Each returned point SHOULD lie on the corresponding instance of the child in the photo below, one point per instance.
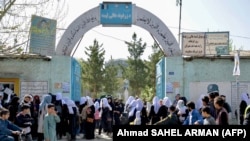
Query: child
(24, 120)
(97, 114)
(208, 119)
(7, 128)
(49, 124)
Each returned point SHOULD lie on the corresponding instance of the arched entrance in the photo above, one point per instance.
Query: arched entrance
(118, 14)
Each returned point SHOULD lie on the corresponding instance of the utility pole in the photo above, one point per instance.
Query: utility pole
(179, 2)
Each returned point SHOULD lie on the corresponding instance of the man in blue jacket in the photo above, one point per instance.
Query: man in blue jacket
(7, 129)
(194, 116)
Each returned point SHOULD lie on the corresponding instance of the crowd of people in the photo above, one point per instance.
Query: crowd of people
(54, 116)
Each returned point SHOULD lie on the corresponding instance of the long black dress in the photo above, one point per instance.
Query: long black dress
(90, 123)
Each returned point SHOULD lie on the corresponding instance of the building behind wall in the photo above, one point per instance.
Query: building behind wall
(190, 76)
(38, 75)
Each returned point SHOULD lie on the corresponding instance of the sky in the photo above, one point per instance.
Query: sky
(196, 16)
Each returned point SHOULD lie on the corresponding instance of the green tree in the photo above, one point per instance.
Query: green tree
(111, 83)
(154, 58)
(136, 71)
(149, 92)
(93, 68)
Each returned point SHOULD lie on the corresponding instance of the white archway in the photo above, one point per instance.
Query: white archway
(140, 17)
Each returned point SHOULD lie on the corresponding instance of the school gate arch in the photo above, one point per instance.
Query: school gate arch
(118, 14)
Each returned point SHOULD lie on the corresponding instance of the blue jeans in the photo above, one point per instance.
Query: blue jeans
(7, 138)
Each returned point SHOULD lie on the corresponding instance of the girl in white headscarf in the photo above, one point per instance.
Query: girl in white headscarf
(153, 114)
(83, 114)
(167, 101)
(97, 114)
(137, 120)
(58, 103)
(140, 107)
(90, 119)
(83, 100)
(139, 104)
(129, 100)
(181, 110)
(106, 118)
(132, 110)
(71, 105)
(72, 117)
(27, 99)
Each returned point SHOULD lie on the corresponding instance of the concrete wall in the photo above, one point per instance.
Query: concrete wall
(191, 77)
(55, 71)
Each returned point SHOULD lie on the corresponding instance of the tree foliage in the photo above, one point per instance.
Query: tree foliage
(111, 83)
(154, 58)
(15, 21)
(136, 71)
(93, 68)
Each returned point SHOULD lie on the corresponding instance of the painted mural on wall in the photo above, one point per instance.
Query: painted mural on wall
(42, 35)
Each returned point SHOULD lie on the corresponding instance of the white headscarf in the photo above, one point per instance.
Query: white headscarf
(130, 98)
(181, 107)
(65, 99)
(97, 105)
(148, 106)
(83, 100)
(70, 104)
(138, 115)
(89, 101)
(63, 102)
(245, 97)
(156, 104)
(58, 96)
(139, 104)
(132, 107)
(167, 102)
(27, 95)
(105, 103)
(137, 120)
(46, 99)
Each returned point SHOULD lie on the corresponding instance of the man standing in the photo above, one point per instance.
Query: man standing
(221, 112)
(212, 91)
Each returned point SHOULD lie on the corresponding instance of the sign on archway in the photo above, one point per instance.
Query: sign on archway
(118, 14)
